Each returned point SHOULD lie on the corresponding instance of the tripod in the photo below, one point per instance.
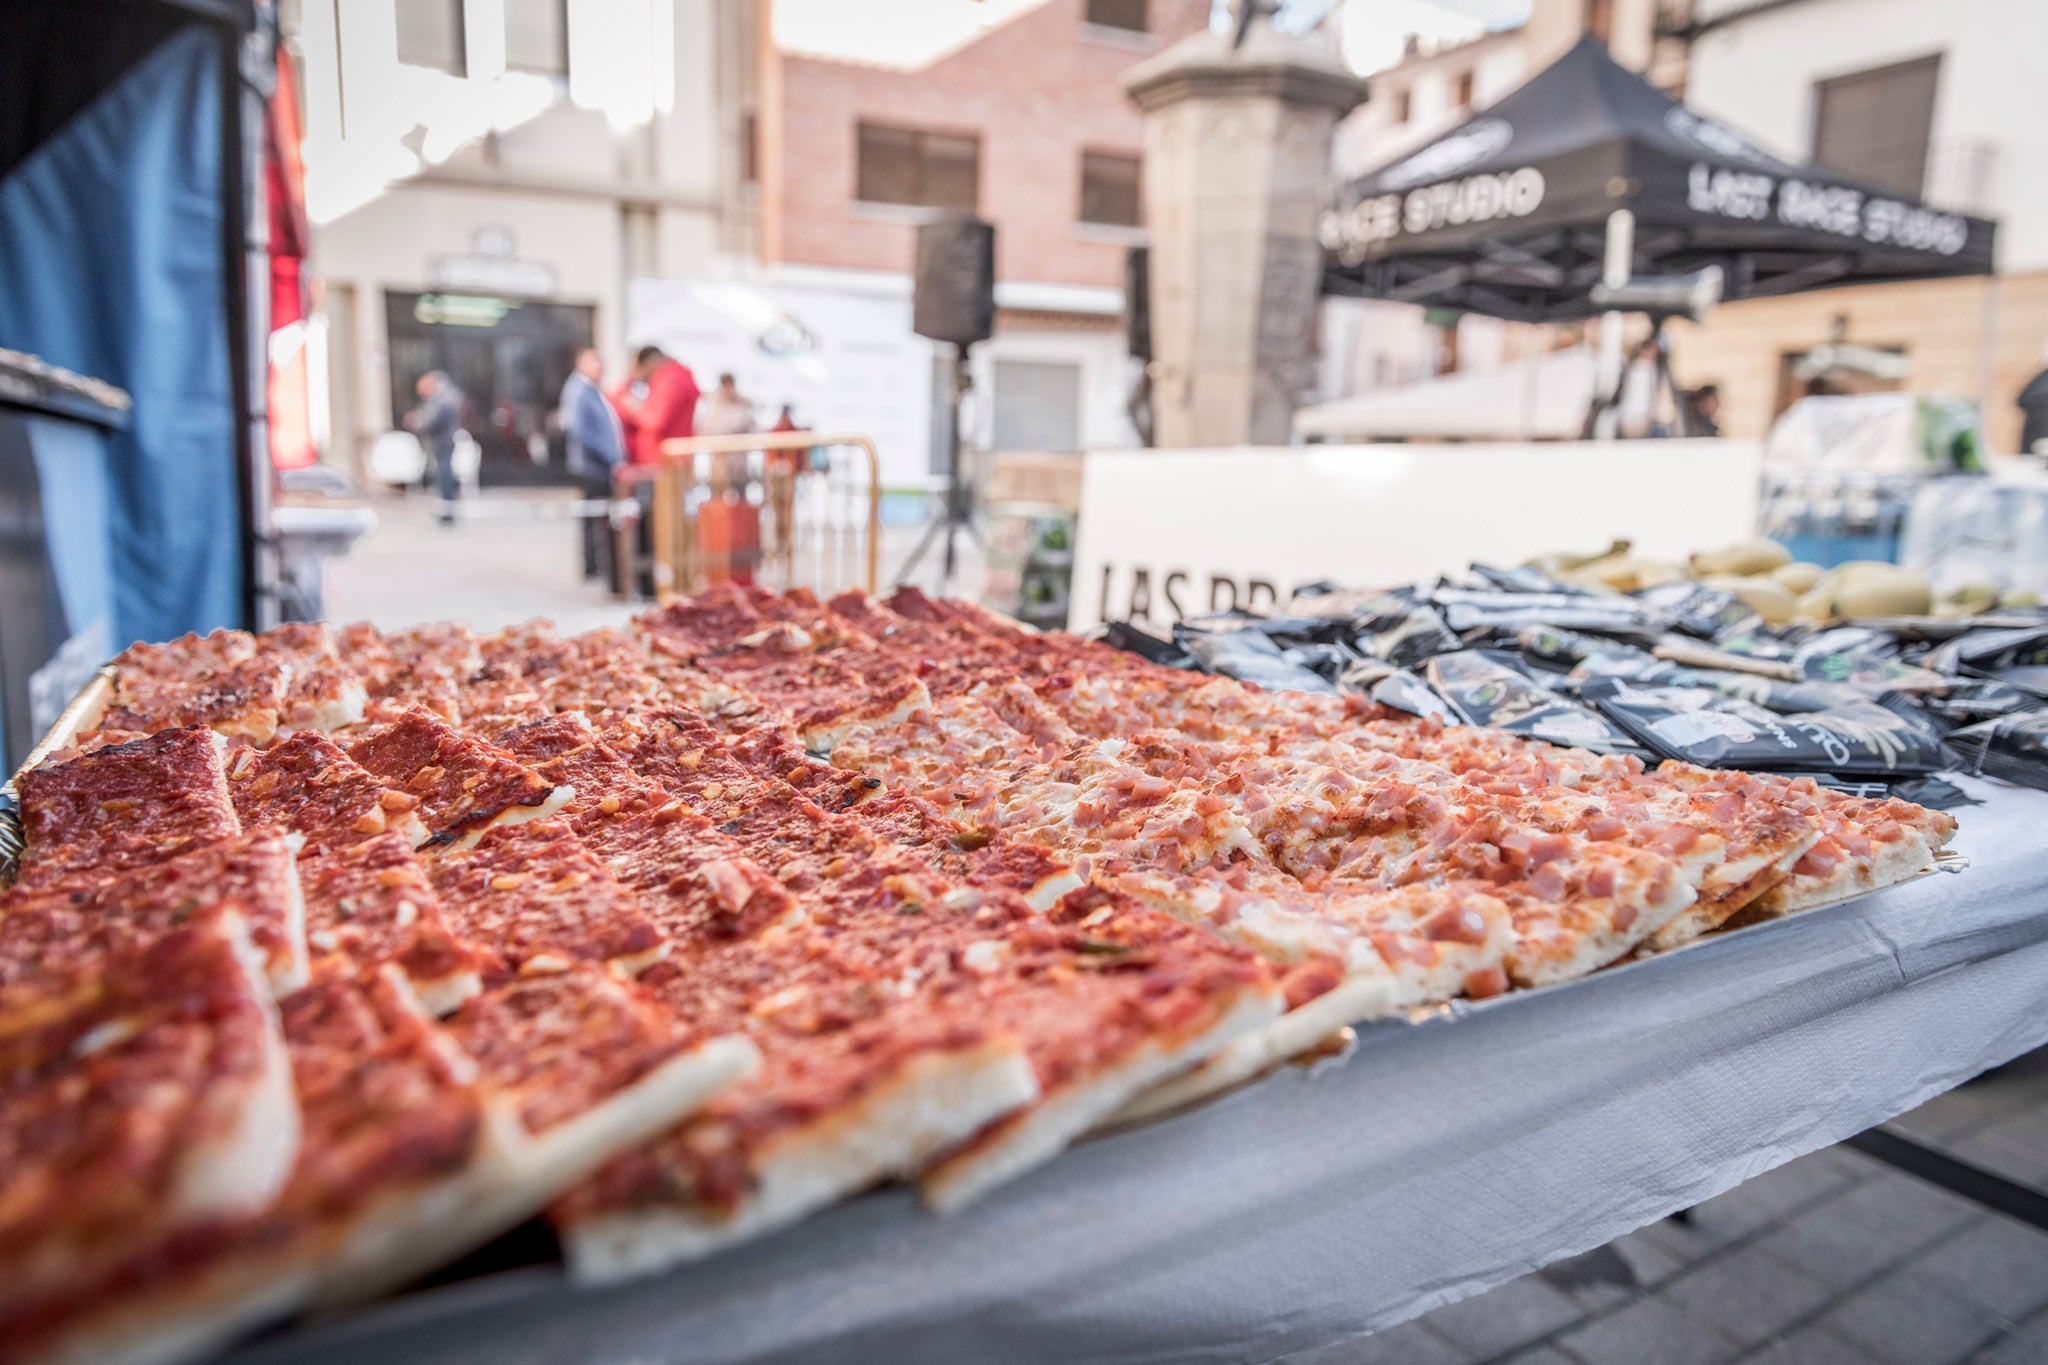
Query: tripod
(957, 516)
(1660, 351)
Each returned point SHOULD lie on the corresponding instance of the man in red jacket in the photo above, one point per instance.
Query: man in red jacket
(659, 401)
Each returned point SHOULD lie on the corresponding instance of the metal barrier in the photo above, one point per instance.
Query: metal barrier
(755, 507)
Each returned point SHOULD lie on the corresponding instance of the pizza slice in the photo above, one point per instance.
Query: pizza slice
(143, 1090)
(216, 680)
(107, 813)
(1860, 844)
(465, 787)
(371, 903)
(308, 785)
(533, 899)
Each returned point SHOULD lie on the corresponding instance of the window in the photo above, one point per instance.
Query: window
(430, 34)
(1109, 189)
(1461, 91)
(537, 36)
(1403, 108)
(750, 148)
(925, 169)
(1124, 14)
(1875, 125)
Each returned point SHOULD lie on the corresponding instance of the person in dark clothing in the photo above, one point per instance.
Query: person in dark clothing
(597, 445)
(2033, 401)
(436, 420)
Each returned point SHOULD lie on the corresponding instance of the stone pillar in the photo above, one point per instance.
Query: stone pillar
(1237, 156)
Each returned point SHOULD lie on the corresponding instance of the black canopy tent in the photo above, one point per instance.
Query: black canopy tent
(1507, 214)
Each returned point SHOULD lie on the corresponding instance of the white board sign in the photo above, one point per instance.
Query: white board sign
(1170, 533)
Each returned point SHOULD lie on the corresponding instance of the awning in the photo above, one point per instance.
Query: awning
(1505, 214)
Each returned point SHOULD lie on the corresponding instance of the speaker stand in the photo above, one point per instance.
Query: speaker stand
(956, 518)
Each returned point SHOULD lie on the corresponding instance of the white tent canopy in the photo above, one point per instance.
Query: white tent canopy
(1543, 398)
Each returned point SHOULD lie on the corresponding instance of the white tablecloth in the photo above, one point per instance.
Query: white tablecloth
(1438, 1161)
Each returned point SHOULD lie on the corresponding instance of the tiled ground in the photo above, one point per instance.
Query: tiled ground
(514, 555)
(1832, 1258)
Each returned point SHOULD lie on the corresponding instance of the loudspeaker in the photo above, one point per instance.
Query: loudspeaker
(955, 298)
(1138, 302)
(1665, 296)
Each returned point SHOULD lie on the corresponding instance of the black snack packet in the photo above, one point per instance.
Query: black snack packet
(1467, 609)
(1700, 726)
(2011, 748)
(1135, 640)
(1864, 659)
(1485, 692)
(1251, 656)
(1700, 610)
(1987, 650)
(2031, 678)
(1288, 630)
(1326, 661)
(1397, 688)
(1565, 649)
(1417, 634)
(1969, 700)
(1526, 578)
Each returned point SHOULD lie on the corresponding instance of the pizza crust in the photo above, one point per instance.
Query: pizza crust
(521, 1172)
(1044, 1131)
(933, 1102)
(1751, 878)
(1899, 862)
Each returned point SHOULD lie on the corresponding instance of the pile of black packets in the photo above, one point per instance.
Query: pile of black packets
(1681, 671)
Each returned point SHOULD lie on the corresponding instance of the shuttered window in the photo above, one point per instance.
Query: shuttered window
(1876, 125)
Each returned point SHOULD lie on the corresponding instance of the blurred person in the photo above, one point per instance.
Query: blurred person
(783, 467)
(1703, 411)
(723, 412)
(596, 442)
(657, 403)
(435, 420)
(2033, 403)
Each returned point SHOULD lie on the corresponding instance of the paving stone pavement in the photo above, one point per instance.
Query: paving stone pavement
(512, 555)
(1832, 1259)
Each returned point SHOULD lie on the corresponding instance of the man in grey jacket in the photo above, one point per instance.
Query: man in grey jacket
(435, 421)
(596, 446)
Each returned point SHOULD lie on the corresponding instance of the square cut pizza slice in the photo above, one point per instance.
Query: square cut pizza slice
(251, 875)
(1860, 844)
(107, 813)
(464, 785)
(142, 1090)
(533, 898)
(371, 904)
(308, 785)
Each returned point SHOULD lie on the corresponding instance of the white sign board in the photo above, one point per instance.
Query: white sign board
(1170, 533)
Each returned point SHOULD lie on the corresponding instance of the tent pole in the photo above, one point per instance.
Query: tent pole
(1621, 244)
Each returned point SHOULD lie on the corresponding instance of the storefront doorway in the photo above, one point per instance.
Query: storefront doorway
(509, 357)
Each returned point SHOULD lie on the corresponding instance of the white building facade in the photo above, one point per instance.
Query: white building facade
(484, 177)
